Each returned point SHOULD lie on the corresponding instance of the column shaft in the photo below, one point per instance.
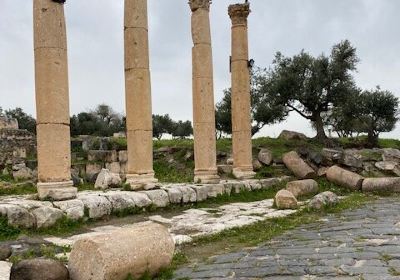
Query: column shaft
(140, 174)
(203, 95)
(241, 110)
(52, 101)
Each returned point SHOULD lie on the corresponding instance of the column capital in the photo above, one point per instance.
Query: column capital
(239, 13)
(199, 4)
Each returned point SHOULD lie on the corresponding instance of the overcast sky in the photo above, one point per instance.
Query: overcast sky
(95, 42)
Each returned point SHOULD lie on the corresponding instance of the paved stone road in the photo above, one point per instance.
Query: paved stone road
(359, 244)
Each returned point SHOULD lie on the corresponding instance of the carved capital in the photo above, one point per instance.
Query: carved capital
(199, 4)
(239, 13)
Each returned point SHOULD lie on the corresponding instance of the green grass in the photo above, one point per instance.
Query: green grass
(166, 172)
(20, 189)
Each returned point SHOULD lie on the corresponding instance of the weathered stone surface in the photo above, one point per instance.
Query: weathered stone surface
(331, 156)
(102, 156)
(322, 171)
(140, 199)
(257, 165)
(303, 187)
(391, 154)
(23, 173)
(47, 216)
(265, 156)
(43, 269)
(285, 200)
(17, 216)
(159, 198)
(92, 170)
(225, 169)
(292, 135)
(120, 200)
(201, 192)
(344, 178)
(123, 156)
(146, 247)
(5, 252)
(298, 166)
(114, 167)
(391, 184)
(323, 200)
(174, 194)
(352, 158)
(57, 190)
(97, 206)
(106, 180)
(215, 190)
(74, 209)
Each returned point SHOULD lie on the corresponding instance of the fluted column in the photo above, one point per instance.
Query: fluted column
(52, 101)
(140, 174)
(241, 114)
(203, 95)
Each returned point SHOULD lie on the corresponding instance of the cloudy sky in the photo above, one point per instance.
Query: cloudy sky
(95, 41)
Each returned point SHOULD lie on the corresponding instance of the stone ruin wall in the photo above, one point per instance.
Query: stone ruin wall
(15, 144)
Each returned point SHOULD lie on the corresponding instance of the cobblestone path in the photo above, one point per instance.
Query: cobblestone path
(358, 244)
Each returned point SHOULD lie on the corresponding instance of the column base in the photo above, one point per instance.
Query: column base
(141, 181)
(57, 191)
(242, 173)
(206, 177)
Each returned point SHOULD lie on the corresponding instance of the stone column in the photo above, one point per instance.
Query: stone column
(203, 95)
(52, 101)
(241, 115)
(140, 174)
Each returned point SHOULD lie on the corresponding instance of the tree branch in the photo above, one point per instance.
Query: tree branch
(299, 112)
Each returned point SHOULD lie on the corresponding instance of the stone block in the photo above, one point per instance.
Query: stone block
(97, 206)
(159, 198)
(143, 248)
(298, 166)
(73, 209)
(302, 187)
(390, 184)
(47, 216)
(285, 200)
(344, 178)
(102, 156)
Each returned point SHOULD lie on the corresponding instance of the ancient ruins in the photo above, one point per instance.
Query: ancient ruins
(52, 97)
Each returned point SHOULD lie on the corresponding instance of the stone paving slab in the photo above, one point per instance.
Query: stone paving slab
(359, 244)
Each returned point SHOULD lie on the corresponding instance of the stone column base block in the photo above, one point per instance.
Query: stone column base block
(303, 187)
(141, 181)
(206, 177)
(391, 184)
(344, 178)
(57, 191)
(243, 173)
(116, 255)
(298, 166)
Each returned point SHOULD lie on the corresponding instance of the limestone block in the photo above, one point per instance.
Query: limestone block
(54, 153)
(215, 190)
(240, 48)
(120, 200)
(256, 165)
(29, 204)
(140, 155)
(141, 200)
(49, 20)
(147, 247)
(292, 135)
(43, 269)
(323, 199)
(202, 58)
(51, 75)
(136, 48)
(97, 206)
(136, 13)
(174, 194)
(265, 156)
(255, 185)
(225, 169)
(201, 192)
(303, 187)
(24, 173)
(92, 170)
(114, 167)
(123, 156)
(103, 156)
(188, 194)
(159, 198)
(344, 178)
(138, 100)
(203, 100)
(390, 184)
(57, 191)
(201, 31)
(205, 146)
(47, 216)
(106, 180)
(73, 209)
(18, 216)
(285, 200)
(269, 182)
(390, 154)
(298, 166)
